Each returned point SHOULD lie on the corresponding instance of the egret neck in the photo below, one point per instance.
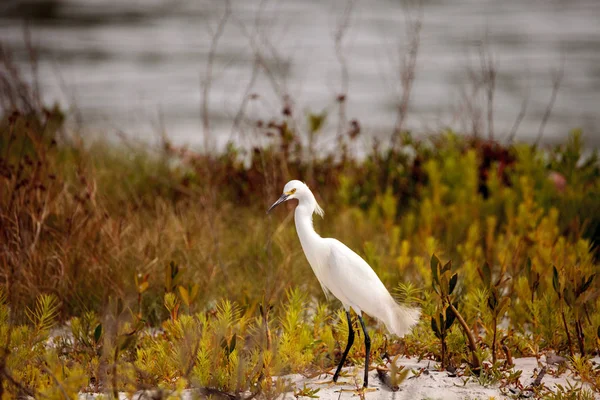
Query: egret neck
(303, 217)
(310, 240)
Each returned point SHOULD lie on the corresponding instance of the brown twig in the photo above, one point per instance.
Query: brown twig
(564, 320)
(538, 380)
(555, 87)
(260, 43)
(509, 360)
(472, 346)
(206, 84)
(33, 63)
(488, 75)
(245, 98)
(469, 110)
(339, 35)
(520, 116)
(408, 68)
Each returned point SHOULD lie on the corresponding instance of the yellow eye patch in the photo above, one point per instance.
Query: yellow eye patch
(291, 192)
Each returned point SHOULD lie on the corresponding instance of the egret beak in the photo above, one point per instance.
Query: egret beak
(283, 198)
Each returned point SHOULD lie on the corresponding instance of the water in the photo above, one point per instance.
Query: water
(138, 67)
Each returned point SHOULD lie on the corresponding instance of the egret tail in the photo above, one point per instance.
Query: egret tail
(398, 318)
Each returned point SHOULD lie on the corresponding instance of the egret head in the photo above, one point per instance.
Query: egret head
(297, 190)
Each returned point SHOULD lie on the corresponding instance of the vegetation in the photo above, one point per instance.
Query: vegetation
(124, 268)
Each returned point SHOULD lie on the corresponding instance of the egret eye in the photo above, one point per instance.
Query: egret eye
(293, 191)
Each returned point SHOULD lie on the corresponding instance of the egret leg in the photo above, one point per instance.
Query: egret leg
(348, 346)
(367, 351)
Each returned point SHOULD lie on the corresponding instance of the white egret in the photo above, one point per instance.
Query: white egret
(346, 275)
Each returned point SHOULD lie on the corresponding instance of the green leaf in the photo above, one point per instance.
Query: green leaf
(97, 333)
(444, 284)
(174, 270)
(434, 263)
(315, 121)
(143, 287)
(126, 341)
(450, 318)
(453, 282)
(120, 306)
(492, 300)
(438, 334)
(170, 275)
(185, 295)
(45, 313)
(401, 377)
(504, 303)
(486, 274)
(195, 291)
(555, 281)
(587, 284)
(447, 267)
(569, 294)
(225, 345)
(232, 344)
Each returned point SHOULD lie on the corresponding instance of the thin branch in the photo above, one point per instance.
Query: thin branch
(206, 84)
(256, 45)
(407, 71)
(488, 77)
(555, 87)
(520, 116)
(472, 346)
(33, 62)
(339, 35)
(245, 98)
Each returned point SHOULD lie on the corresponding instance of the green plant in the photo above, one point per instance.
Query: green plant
(307, 392)
(441, 324)
(569, 392)
(574, 294)
(444, 283)
(497, 304)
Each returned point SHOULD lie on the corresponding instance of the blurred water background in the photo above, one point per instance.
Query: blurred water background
(140, 67)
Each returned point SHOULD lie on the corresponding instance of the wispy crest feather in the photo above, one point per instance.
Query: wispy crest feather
(318, 210)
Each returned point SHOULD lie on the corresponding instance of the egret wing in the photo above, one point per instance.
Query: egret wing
(353, 281)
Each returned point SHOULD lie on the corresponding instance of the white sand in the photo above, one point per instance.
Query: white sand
(431, 385)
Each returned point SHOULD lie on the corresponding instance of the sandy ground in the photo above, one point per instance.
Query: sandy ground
(430, 384)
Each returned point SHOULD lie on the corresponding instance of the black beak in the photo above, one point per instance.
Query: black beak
(283, 198)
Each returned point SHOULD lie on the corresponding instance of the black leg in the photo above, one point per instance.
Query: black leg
(367, 351)
(350, 341)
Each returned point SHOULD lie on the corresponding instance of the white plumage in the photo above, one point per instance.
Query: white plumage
(344, 273)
